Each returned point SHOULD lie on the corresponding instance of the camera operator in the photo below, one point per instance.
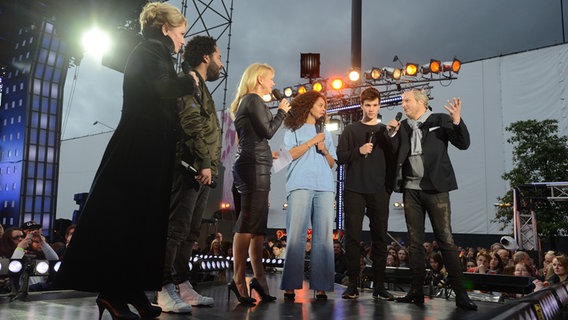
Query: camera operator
(31, 248)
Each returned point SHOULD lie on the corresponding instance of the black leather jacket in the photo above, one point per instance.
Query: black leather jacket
(255, 124)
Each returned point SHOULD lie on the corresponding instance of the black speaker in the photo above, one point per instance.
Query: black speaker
(498, 282)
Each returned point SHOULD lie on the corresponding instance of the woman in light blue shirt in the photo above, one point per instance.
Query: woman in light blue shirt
(310, 185)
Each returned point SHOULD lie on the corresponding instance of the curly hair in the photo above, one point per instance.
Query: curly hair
(301, 106)
(198, 47)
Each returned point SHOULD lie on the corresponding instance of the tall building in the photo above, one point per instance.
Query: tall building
(35, 69)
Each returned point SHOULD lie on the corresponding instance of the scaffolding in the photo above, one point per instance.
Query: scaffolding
(524, 217)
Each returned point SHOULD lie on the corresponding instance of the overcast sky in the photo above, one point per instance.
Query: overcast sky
(276, 32)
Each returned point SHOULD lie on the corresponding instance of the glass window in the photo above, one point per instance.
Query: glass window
(38, 203)
(32, 153)
(33, 136)
(29, 204)
(39, 70)
(31, 169)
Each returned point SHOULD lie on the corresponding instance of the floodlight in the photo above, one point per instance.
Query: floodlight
(393, 73)
(96, 42)
(337, 84)
(317, 86)
(302, 89)
(288, 92)
(411, 69)
(433, 67)
(354, 75)
(452, 66)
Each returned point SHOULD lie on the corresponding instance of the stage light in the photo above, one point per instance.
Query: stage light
(411, 69)
(302, 89)
(376, 73)
(373, 74)
(433, 67)
(41, 267)
(354, 75)
(452, 66)
(317, 86)
(393, 73)
(398, 205)
(96, 42)
(333, 125)
(15, 266)
(288, 92)
(337, 84)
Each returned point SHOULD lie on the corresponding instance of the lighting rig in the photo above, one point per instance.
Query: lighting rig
(342, 92)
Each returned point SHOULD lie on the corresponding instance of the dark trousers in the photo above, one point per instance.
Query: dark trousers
(377, 209)
(187, 206)
(417, 204)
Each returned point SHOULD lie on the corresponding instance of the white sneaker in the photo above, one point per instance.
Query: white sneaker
(170, 301)
(191, 297)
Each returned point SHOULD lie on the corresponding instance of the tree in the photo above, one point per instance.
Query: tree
(539, 155)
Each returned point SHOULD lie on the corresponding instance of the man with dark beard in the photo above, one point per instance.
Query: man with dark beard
(198, 149)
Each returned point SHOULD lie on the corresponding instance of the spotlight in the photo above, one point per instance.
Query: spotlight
(411, 69)
(288, 92)
(41, 267)
(317, 86)
(452, 66)
(393, 73)
(302, 89)
(337, 84)
(15, 266)
(434, 67)
(376, 73)
(398, 205)
(354, 75)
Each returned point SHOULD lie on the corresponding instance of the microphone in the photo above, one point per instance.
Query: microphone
(277, 95)
(397, 118)
(320, 125)
(370, 139)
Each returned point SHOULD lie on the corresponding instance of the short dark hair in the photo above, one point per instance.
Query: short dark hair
(198, 47)
(370, 94)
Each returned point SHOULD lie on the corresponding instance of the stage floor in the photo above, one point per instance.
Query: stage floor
(72, 305)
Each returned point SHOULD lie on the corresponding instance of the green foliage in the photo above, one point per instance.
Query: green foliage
(539, 155)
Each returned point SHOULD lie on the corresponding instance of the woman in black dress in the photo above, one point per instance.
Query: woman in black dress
(254, 124)
(119, 244)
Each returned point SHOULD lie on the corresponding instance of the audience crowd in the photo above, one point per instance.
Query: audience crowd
(28, 243)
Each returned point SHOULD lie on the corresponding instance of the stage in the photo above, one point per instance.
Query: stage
(73, 305)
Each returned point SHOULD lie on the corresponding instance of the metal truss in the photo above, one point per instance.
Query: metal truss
(525, 222)
(213, 18)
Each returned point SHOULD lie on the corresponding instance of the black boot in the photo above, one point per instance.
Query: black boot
(415, 295)
(464, 302)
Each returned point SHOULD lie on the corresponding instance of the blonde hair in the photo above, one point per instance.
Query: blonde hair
(248, 82)
(420, 95)
(156, 14)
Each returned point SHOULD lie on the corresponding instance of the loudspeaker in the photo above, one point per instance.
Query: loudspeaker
(498, 282)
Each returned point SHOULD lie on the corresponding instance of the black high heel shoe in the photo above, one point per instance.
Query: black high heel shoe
(232, 286)
(116, 307)
(143, 306)
(255, 285)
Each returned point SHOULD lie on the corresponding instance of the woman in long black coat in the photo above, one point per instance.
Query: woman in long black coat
(118, 246)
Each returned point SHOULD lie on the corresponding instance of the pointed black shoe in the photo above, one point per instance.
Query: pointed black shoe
(413, 296)
(464, 302)
(255, 285)
(116, 306)
(232, 286)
